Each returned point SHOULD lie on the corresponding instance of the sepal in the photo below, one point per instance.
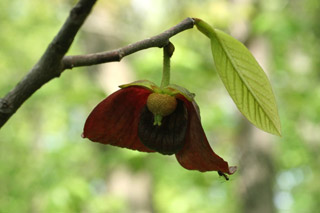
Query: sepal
(142, 83)
(174, 90)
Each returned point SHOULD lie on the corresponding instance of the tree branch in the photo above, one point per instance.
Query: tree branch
(49, 66)
(159, 40)
(53, 62)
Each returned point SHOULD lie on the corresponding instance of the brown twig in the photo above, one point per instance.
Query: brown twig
(53, 62)
(116, 55)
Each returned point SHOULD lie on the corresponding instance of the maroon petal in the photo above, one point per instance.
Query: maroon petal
(115, 120)
(197, 153)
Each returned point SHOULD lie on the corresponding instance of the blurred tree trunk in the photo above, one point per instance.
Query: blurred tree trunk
(256, 168)
(134, 188)
(256, 171)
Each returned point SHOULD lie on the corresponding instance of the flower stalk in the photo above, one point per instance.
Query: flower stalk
(167, 53)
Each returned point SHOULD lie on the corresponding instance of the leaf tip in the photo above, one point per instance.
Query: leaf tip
(278, 132)
(277, 126)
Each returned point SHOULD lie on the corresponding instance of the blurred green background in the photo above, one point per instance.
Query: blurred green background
(45, 165)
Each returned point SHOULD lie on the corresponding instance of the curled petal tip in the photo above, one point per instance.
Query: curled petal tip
(232, 169)
(82, 135)
(197, 153)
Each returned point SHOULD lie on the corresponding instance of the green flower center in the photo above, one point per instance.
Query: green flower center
(161, 105)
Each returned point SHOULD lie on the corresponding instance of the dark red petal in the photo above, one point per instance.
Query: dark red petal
(197, 153)
(115, 120)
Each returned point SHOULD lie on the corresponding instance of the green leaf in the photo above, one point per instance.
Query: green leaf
(246, 82)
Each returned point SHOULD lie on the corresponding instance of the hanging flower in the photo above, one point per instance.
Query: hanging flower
(142, 116)
(166, 119)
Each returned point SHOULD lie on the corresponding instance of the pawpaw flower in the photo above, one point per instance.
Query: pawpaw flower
(142, 116)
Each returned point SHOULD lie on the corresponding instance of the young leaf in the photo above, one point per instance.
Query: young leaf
(244, 79)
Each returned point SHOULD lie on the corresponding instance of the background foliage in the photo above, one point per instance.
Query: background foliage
(45, 166)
